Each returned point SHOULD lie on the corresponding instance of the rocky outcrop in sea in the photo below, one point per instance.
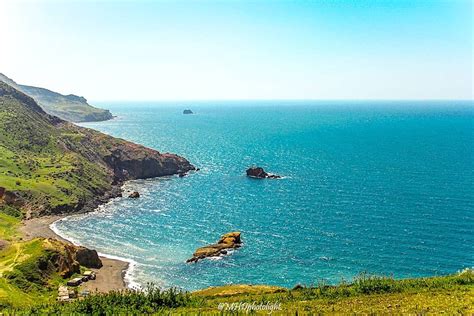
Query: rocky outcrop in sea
(259, 173)
(227, 242)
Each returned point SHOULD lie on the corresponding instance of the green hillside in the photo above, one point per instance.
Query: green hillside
(49, 166)
(67, 107)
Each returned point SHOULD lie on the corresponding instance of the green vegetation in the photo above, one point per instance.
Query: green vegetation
(367, 294)
(8, 227)
(30, 271)
(67, 107)
(153, 300)
(51, 166)
(46, 166)
(26, 276)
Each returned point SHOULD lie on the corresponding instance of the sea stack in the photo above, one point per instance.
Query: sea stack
(259, 173)
(187, 111)
(227, 241)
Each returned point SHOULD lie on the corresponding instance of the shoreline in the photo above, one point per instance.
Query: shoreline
(113, 274)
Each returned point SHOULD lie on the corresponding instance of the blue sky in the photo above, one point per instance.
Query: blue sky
(178, 50)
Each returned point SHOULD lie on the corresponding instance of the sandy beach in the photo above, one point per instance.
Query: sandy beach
(109, 277)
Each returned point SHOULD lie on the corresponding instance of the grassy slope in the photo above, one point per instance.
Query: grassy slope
(8, 227)
(36, 159)
(22, 284)
(366, 295)
(68, 107)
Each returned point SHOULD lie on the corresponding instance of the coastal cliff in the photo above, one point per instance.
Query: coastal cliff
(69, 107)
(50, 166)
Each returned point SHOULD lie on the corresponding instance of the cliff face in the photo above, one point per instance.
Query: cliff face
(70, 107)
(50, 166)
(130, 161)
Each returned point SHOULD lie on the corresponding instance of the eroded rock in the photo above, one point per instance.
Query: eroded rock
(227, 241)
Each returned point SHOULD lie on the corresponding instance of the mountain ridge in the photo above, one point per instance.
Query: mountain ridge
(69, 107)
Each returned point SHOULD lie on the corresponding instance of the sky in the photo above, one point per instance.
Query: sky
(227, 50)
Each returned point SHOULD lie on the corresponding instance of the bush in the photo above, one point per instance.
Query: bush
(127, 302)
(10, 210)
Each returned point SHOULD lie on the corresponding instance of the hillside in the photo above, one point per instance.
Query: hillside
(50, 166)
(67, 107)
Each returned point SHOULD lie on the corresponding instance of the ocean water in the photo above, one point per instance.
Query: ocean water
(382, 187)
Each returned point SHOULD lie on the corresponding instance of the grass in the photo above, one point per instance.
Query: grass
(52, 167)
(367, 294)
(9, 227)
(67, 107)
(25, 278)
(22, 283)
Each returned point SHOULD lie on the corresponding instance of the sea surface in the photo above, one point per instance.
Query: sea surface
(381, 187)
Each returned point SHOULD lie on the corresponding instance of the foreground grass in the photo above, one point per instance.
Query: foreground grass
(25, 279)
(366, 294)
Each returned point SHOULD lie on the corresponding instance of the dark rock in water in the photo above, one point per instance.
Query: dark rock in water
(134, 195)
(187, 112)
(182, 174)
(227, 241)
(259, 173)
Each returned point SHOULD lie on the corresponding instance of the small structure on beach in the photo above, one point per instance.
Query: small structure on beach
(74, 282)
(90, 275)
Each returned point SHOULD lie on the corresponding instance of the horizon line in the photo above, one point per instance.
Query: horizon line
(279, 100)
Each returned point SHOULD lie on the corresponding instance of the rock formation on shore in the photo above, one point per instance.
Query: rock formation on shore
(226, 242)
(259, 173)
(65, 258)
(63, 168)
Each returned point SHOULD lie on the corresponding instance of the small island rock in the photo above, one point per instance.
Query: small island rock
(134, 195)
(187, 111)
(227, 241)
(259, 173)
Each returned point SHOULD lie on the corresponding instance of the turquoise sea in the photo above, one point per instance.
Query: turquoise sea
(382, 187)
